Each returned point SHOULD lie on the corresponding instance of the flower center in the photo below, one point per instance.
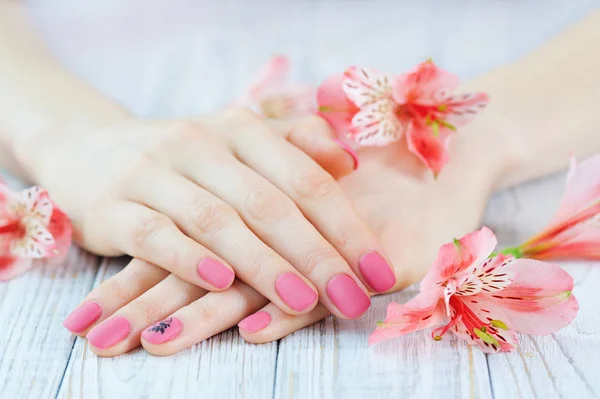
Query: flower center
(476, 328)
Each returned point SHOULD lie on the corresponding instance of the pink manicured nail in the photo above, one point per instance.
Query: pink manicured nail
(109, 333)
(347, 296)
(350, 151)
(163, 331)
(377, 271)
(215, 273)
(83, 317)
(295, 292)
(255, 322)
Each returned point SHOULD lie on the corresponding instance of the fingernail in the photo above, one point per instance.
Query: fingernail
(109, 333)
(347, 296)
(215, 273)
(377, 271)
(163, 331)
(349, 150)
(255, 322)
(295, 292)
(83, 317)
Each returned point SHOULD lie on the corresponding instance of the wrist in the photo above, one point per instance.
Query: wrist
(491, 147)
(32, 147)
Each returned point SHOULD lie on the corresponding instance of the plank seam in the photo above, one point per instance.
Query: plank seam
(487, 362)
(97, 263)
(275, 371)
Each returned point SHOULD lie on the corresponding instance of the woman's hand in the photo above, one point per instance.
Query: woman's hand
(205, 198)
(409, 211)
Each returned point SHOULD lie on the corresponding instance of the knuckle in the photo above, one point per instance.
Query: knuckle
(263, 261)
(313, 184)
(183, 130)
(264, 205)
(315, 123)
(319, 258)
(150, 311)
(115, 288)
(148, 229)
(205, 314)
(243, 115)
(209, 217)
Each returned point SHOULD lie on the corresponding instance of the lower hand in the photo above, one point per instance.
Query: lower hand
(411, 213)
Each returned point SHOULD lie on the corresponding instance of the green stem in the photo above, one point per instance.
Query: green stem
(514, 251)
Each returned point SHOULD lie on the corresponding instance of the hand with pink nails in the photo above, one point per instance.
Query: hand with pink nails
(409, 214)
(223, 196)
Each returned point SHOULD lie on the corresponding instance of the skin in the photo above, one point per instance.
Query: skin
(233, 187)
(525, 133)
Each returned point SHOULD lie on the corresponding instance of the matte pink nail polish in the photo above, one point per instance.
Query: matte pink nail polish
(215, 273)
(295, 292)
(109, 332)
(83, 317)
(350, 152)
(377, 271)
(255, 322)
(163, 331)
(347, 296)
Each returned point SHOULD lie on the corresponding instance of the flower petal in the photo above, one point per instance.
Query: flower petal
(271, 78)
(507, 340)
(334, 106)
(62, 231)
(427, 84)
(11, 267)
(375, 124)
(583, 189)
(454, 258)
(364, 86)
(462, 108)
(431, 149)
(539, 300)
(423, 311)
(495, 274)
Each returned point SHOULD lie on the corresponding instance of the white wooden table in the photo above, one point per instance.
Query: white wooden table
(189, 57)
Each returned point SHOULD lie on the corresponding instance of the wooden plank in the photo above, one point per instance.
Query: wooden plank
(34, 346)
(331, 359)
(221, 367)
(563, 365)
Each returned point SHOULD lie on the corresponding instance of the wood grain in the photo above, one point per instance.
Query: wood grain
(34, 346)
(332, 360)
(221, 367)
(187, 57)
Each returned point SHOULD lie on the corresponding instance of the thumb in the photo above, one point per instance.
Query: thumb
(314, 136)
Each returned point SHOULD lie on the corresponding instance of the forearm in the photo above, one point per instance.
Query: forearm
(542, 108)
(36, 94)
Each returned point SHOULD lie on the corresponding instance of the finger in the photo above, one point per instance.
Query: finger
(146, 234)
(321, 200)
(314, 136)
(135, 279)
(278, 222)
(270, 323)
(120, 333)
(200, 320)
(216, 225)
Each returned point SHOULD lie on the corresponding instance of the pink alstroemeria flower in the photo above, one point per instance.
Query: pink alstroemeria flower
(484, 301)
(273, 96)
(574, 232)
(375, 109)
(31, 227)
